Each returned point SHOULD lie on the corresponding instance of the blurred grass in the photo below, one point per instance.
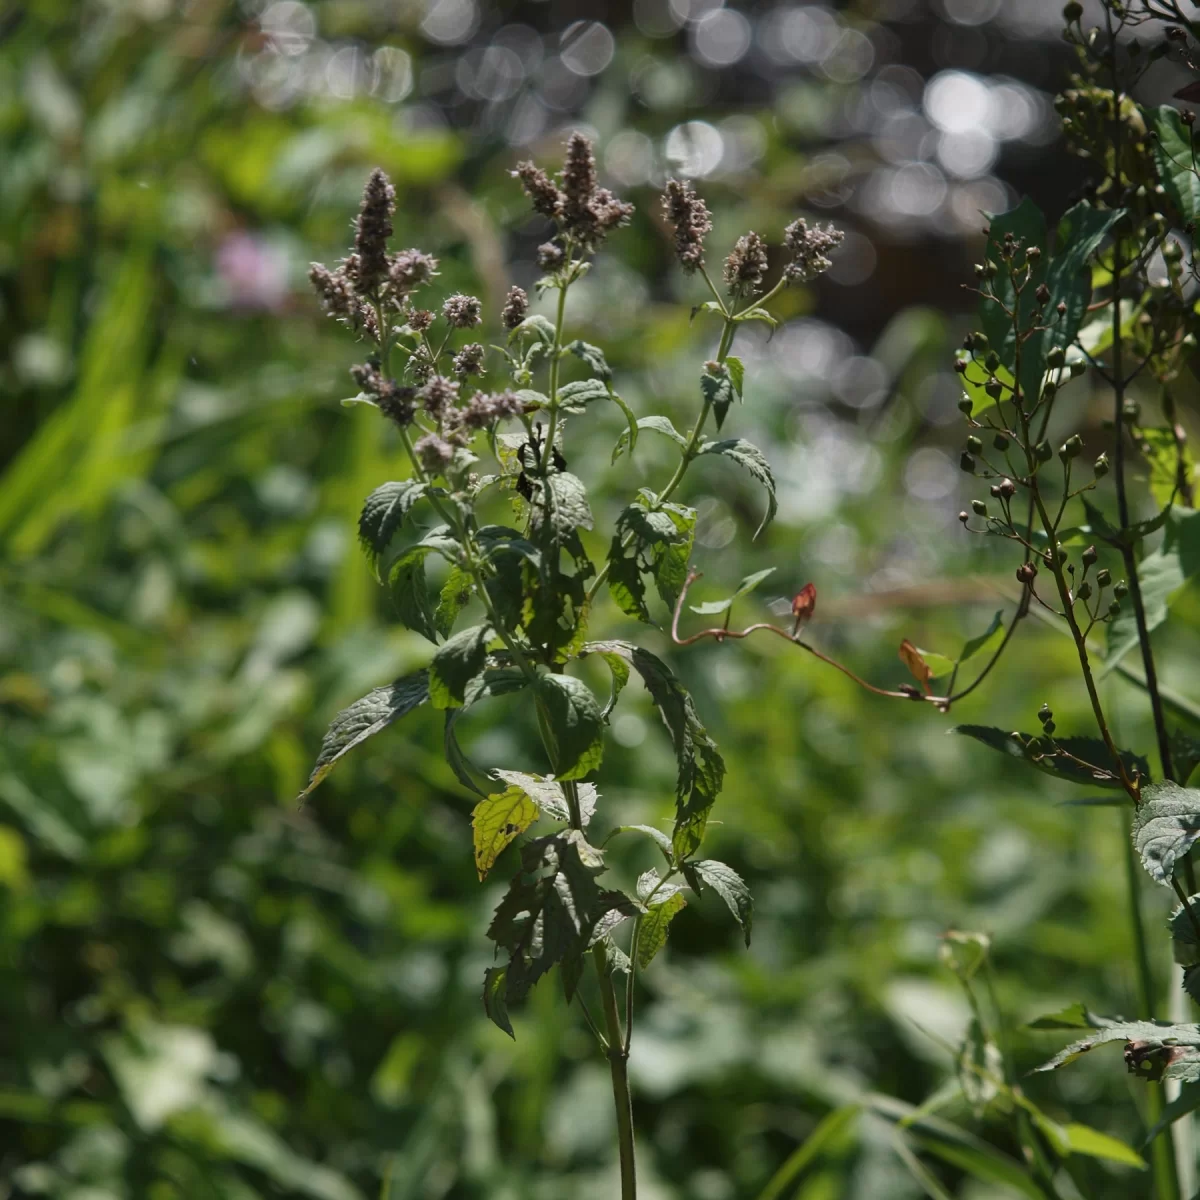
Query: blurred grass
(206, 993)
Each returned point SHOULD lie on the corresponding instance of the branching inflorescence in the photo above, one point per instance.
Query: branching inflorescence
(526, 590)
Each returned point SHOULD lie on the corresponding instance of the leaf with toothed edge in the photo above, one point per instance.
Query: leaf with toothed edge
(749, 456)
(383, 514)
(1165, 827)
(365, 718)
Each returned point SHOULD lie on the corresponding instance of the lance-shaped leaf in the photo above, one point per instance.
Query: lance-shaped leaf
(383, 514)
(1074, 1016)
(456, 663)
(1172, 468)
(749, 456)
(574, 397)
(593, 356)
(1175, 158)
(1162, 576)
(655, 538)
(1063, 271)
(652, 932)
(1154, 1050)
(365, 718)
(496, 821)
(575, 722)
(496, 680)
(538, 327)
(656, 424)
(986, 642)
(1165, 827)
(406, 580)
(737, 372)
(729, 885)
(714, 608)
(455, 594)
(716, 386)
(495, 998)
(701, 768)
(1084, 760)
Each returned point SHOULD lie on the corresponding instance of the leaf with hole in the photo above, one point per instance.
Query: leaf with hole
(496, 821)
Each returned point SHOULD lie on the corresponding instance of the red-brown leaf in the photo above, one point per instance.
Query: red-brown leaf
(910, 656)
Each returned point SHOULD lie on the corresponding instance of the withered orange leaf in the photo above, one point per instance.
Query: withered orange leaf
(910, 656)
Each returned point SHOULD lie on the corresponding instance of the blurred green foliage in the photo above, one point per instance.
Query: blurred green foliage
(205, 992)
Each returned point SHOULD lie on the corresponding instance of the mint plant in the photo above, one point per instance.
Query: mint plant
(511, 617)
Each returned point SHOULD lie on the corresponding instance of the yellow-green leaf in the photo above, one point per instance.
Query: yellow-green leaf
(652, 933)
(496, 821)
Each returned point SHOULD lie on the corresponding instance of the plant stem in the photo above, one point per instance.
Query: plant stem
(618, 1063)
(1166, 1181)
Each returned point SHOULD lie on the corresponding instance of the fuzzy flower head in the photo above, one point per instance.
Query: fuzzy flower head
(549, 256)
(808, 250)
(372, 230)
(439, 396)
(540, 188)
(691, 220)
(418, 319)
(578, 180)
(469, 360)
(435, 453)
(488, 407)
(516, 307)
(746, 266)
(462, 311)
(411, 269)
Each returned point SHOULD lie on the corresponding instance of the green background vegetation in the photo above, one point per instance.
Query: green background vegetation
(205, 992)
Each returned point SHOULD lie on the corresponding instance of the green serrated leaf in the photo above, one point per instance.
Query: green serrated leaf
(575, 397)
(456, 592)
(538, 327)
(1038, 752)
(758, 314)
(737, 372)
(593, 356)
(717, 389)
(457, 661)
(657, 836)
(575, 722)
(495, 1001)
(1074, 1016)
(547, 793)
(365, 718)
(383, 515)
(652, 933)
(631, 425)
(657, 424)
(1171, 465)
(731, 887)
(1174, 156)
(1155, 1050)
(701, 768)
(749, 456)
(986, 642)
(1165, 827)
(1162, 576)
(496, 821)
(560, 506)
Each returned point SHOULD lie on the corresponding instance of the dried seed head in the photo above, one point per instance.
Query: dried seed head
(808, 250)
(372, 230)
(746, 265)
(411, 269)
(540, 189)
(516, 307)
(691, 220)
(462, 311)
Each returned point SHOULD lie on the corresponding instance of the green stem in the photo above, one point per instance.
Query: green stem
(618, 1063)
(555, 351)
(686, 456)
(1162, 1156)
